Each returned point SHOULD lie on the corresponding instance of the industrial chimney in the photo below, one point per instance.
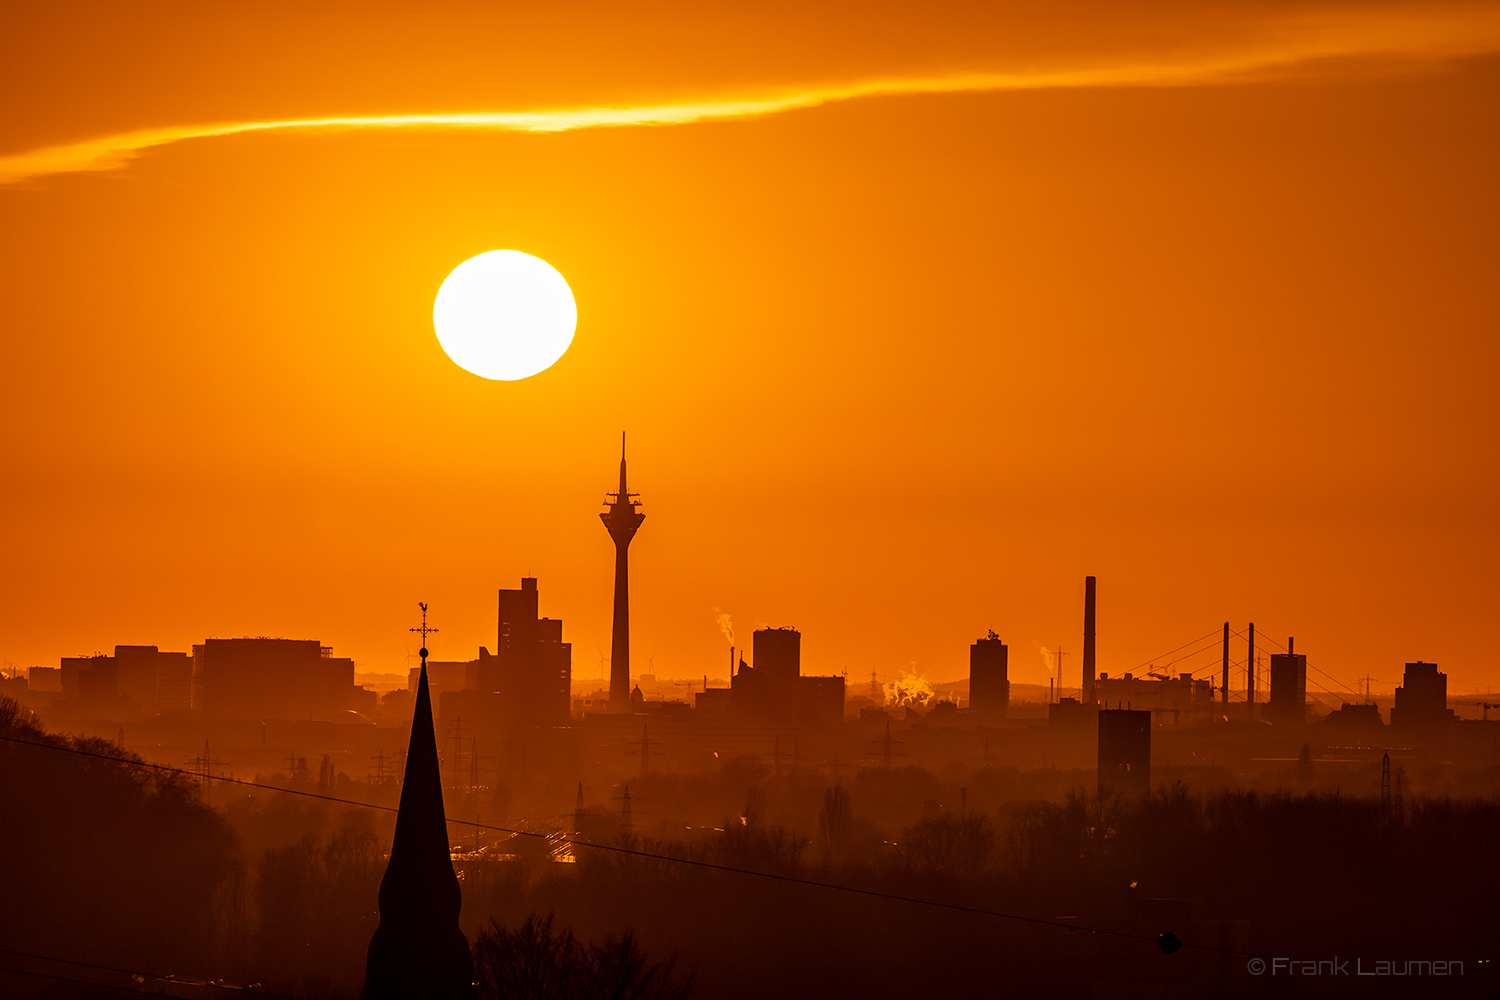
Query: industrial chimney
(1088, 640)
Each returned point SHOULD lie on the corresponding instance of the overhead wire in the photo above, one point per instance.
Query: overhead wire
(1169, 652)
(671, 859)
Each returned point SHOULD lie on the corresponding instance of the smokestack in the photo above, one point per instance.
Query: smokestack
(1290, 642)
(731, 666)
(1088, 640)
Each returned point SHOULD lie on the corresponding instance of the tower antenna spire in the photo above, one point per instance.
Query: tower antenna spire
(622, 520)
(622, 494)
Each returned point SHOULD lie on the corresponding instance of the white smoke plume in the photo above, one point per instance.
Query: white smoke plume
(1049, 659)
(910, 689)
(722, 617)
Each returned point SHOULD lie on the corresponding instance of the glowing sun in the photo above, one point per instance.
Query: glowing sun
(505, 315)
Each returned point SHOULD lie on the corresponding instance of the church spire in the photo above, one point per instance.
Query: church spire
(418, 951)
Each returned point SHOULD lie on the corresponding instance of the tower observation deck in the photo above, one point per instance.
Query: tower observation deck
(622, 520)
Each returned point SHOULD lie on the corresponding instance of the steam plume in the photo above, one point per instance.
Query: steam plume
(910, 689)
(722, 617)
(1049, 658)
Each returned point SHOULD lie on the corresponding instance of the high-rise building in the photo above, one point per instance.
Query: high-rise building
(1287, 705)
(989, 678)
(622, 521)
(90, 682)
(1421, 707)
(777, 653)
(774, 692)
(135, 676)
(531, 668)
(274, 679)
(47, 679)
(1124, 753)
(174, 682)
(136, 680)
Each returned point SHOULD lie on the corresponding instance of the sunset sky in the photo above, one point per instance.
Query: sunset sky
(915, 315)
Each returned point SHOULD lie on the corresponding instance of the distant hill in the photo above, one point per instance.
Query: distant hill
(381, 683)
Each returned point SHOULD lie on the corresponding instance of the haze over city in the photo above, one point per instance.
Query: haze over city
(1035, 445)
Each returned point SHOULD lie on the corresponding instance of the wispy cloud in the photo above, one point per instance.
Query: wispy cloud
(1409, 38)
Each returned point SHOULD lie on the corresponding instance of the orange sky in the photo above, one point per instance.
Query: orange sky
(1202, 302)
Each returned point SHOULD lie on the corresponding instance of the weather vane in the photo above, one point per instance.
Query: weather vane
(425, 632)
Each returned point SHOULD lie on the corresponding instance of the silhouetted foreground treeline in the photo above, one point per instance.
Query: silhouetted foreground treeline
(538, 962)
(119, 865)
(1317, 876)
(112, 864)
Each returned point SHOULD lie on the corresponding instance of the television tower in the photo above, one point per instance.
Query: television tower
(622, 519)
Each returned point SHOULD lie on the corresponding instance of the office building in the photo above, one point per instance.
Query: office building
(1124, 753)
(260, 678)
(1421, 710)
(1287, 705)
(989, 678)
(531, 670)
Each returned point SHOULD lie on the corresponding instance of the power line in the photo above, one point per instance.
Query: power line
(1343, 688)
(709, 865)
(1152, 661)
(620, 850)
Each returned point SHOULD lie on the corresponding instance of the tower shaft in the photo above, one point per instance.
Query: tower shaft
(622, 520)
(619, 643)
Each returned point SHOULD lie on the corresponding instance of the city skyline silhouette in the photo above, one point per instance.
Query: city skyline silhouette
(1068, 435)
